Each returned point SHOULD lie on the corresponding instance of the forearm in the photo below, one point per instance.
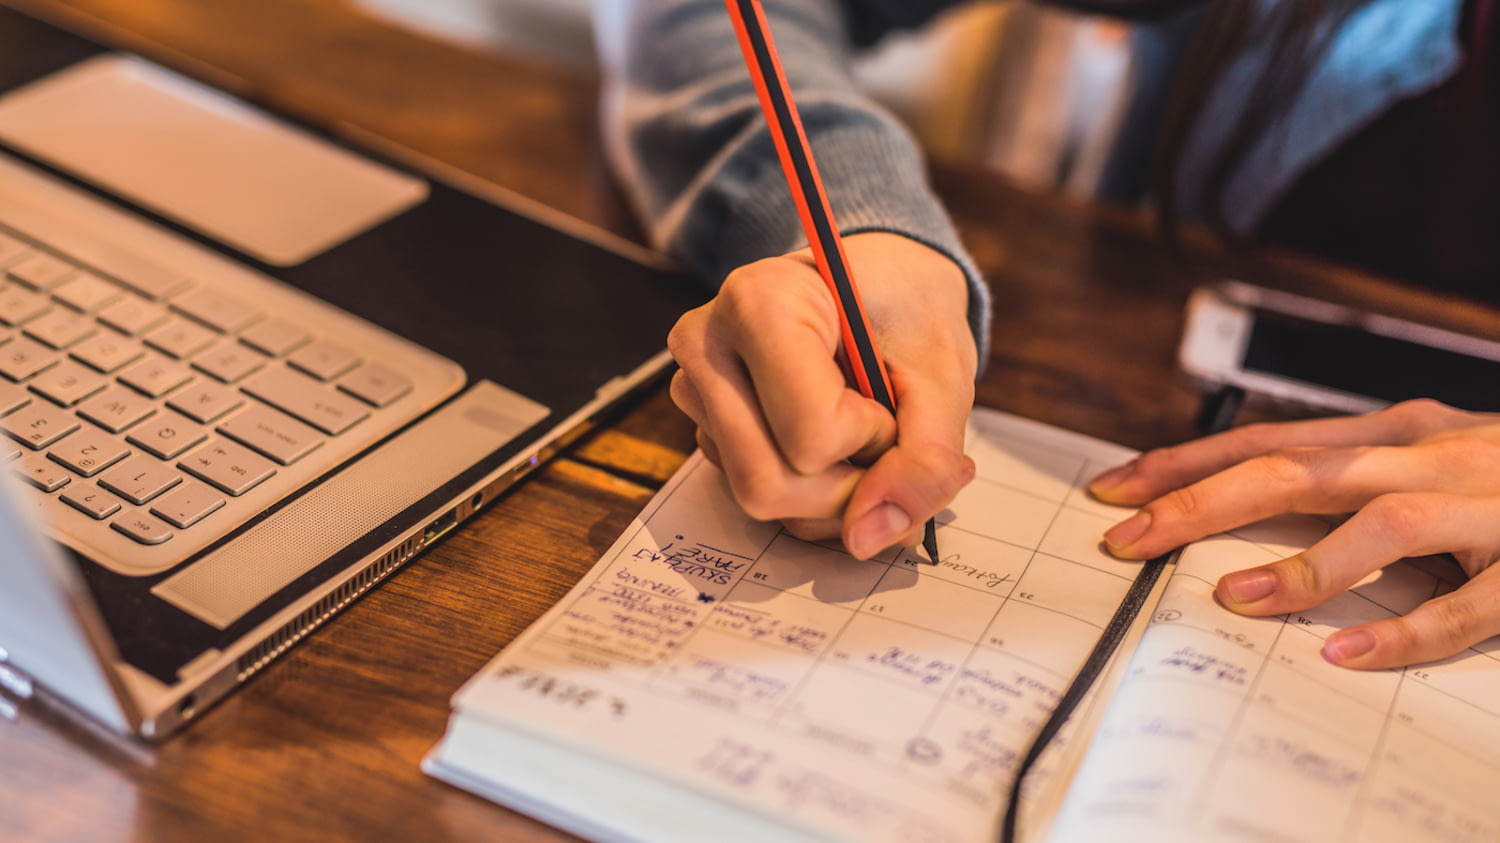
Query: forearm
(686, 137)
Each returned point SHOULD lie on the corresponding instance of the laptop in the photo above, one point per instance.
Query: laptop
(248, 370)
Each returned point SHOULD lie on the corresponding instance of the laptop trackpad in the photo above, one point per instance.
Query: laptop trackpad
(203, 159)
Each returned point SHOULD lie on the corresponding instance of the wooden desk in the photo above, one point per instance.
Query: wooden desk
(325, 744)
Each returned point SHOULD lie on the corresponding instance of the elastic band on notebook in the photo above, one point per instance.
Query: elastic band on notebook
(1108, 642)
(1218, 415)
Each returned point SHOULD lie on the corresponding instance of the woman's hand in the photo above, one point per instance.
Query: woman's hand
(776, 412)
(1417, 478)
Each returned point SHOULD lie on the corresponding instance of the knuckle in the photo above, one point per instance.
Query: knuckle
(1423, 415)
(709, 447)
(807, 447)
(770, 292)
(942, 468)
(1303, 579)
(1401, 635)
(749, 277)
(684, 337)
(744, 290)
(1284, 466)
(737, 303)
(1400, 518)
(1183, 504)
(681, 388)
(1457, 621)
(760, 493)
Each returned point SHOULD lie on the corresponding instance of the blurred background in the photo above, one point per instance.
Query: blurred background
(1050, 98)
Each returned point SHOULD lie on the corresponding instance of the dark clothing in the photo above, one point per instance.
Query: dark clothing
(1416, 194)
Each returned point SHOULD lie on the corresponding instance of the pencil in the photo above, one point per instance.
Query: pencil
(801, 171)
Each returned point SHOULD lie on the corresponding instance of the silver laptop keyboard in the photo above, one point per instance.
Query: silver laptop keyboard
(166, 410)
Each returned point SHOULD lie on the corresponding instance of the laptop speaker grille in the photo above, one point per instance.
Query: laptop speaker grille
(294, 630)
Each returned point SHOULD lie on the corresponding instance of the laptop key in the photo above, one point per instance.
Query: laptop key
(308, 400)
(38, 425)
(12, 398)
(224, 314)
(324, 360)
(142, 528)
(89, 452)
(229, 466)
(19, 305)
(133, 315)
(117, 409)
(86, 292)
(167, 435)
(92, 501)
(41, 473)
(229, 362)
(180, 337)
(22, 358)
(12, 250)
(139, 479)
(107, 351)
(68, 382)
(61, 327)
(41, 271)
(205, 401)
(275, 434)
(155, 376)
(275, 337)
(375, 384)
(187, 505)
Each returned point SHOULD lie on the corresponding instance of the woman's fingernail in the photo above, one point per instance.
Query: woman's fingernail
(1107, 481)
(1128, 531)
(1248, 586)
(1348, 644)
(878, 530)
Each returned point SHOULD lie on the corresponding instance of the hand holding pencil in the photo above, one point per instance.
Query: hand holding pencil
(760, 370)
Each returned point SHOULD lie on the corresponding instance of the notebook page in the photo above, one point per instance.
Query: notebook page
(1230, 728)
(858, 700)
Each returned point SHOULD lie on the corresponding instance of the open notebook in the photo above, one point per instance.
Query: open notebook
(714, 678)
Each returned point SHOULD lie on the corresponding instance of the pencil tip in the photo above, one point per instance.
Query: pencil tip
(929, 542)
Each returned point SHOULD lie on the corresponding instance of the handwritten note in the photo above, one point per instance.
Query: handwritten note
(1235, 728)
(860, 700)
(715, 678)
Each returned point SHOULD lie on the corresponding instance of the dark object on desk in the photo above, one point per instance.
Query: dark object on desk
(801, 171)
(1326, 357)
(1219, 409)
(1217, 415)
(342, 392)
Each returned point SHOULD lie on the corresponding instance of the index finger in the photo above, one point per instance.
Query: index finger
(1159, 471)
(1306, 480)
(788, 342)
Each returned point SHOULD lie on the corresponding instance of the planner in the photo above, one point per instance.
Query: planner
(715, 678)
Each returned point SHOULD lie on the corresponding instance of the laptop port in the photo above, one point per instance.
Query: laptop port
(439, 527)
